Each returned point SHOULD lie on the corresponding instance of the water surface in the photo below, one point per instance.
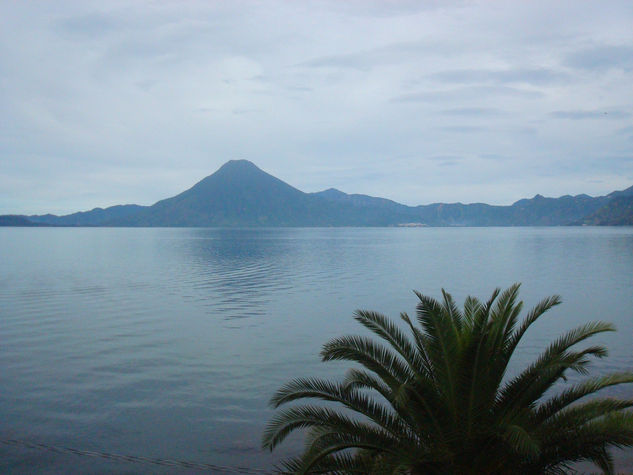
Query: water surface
(169, 342)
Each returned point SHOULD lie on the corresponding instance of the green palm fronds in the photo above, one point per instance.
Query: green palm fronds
(432, 396)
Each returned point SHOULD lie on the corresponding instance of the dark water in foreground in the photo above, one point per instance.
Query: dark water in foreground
(169, 342)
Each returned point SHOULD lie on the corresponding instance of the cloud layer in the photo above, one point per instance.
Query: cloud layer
(130, 102)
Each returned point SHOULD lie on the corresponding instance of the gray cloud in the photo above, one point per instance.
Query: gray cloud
(382, 9)
(472, 111)
(510, 76)
(602, 58)
(446, 158)
(466, 93)
(298, 89)
(392, 53)
(360, 61)
(492, 156)
(584, 114)
(89, 26)
(366, 59)
(625, 130)
(460, 129)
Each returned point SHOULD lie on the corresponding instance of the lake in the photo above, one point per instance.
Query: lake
(168, 343)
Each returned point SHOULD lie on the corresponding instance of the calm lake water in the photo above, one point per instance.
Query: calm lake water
(169, 342)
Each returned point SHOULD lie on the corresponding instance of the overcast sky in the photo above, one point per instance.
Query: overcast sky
(111, 102)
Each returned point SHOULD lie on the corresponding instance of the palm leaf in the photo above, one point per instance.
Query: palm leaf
(434, 400)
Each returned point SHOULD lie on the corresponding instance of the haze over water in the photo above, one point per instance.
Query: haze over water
(169, 342)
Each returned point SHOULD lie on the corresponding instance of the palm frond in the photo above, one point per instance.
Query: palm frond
(441, 344)
(376, 358)
(452, 311)
(504, 313)
(578, 391)
(589, 441)
(290, 419)
(421, 344)
(388, 331)
(360, 379)
(472, 306)
(521, 441)
(434, 399)
(583, 413)
(534, 314)
(303, 388)
(343, 463)
(550, 366)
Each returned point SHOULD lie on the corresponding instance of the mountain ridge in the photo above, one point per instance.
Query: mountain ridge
(617, 212)
(241, 194)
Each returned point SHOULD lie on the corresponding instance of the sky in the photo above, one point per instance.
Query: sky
(105, 103)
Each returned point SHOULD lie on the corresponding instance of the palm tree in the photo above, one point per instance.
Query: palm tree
(439, 399)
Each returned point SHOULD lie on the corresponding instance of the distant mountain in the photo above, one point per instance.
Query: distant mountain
(95, 217)
(538, 211)
(541, 211)
(15, 220)
(363, 210)
(617, 212)
(238, 194)
(627, 192)
(241, 194)
(332, 194)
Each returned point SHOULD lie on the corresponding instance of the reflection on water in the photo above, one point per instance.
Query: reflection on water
(234, 271)
(169, 342)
